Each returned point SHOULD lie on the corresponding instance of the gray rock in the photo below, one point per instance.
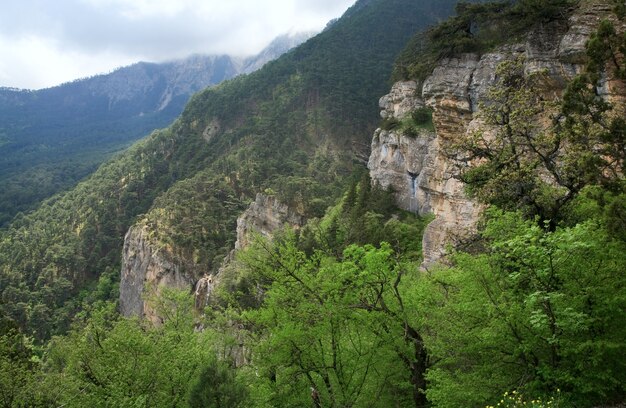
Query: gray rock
(264, 216)
(420, 169)
(146, 269)
(400, 101)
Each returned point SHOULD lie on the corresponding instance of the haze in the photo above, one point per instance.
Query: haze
(44, 43)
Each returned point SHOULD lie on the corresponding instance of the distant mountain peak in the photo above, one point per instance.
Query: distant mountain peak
(275, 48)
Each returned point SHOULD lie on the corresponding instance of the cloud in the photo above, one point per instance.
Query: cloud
(45, 42)
(77, 31)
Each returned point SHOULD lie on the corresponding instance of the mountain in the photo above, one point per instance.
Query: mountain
(51, 138)
(277, 47)
(498, 282)
(297, 127)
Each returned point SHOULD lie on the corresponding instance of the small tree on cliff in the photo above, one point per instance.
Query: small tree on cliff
(534, 155)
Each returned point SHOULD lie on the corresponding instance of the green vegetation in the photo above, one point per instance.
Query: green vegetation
(477, 28)
(337, 317)
(582, 145)
(296, 127)
(421, 119)
(337, 313)
(52, 138)
(539, 309)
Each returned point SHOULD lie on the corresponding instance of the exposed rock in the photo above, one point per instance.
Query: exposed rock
(571, 48)
(418, 169)
(204, 288)
(401, 100)
(264, 216)
(447, 91)
(277, 47)
(211, 130)
(145, 270)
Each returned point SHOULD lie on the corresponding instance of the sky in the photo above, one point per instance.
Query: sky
(47, 42)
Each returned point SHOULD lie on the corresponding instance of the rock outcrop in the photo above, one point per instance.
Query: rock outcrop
(146, 269)
(263, 217)
(417, 168)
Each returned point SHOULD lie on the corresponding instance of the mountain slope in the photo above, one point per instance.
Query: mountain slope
(51, 138)
(295, 127)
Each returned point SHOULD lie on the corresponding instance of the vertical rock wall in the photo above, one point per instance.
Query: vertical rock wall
(146, 268)
(417, 167)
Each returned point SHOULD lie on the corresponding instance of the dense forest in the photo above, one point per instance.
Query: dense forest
(339, 313)
(52, 138)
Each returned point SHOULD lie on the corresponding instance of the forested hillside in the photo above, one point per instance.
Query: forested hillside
(52, 138)
(529, 310)
(295, 126)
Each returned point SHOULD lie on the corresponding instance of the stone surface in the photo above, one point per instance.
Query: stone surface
(145, 270)
(264, 216)
(418, 168)
(401, 100)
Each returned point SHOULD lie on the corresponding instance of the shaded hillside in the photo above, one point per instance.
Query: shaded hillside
(51, 138)
(292, 127)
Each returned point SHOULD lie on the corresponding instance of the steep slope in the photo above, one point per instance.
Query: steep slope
(298, 131)
(54, 137)
(51, 138)
(294, 127)
(277, 47)
(421, 165)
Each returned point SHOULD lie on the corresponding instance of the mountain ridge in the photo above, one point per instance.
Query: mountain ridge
(85, 121)
(291, 127)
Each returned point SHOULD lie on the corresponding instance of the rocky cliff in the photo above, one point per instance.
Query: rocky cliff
(263, 217)
(146, 267)
(416, 166)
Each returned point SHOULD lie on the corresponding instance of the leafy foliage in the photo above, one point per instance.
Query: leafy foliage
(540, 312)
(122, 362)
(337, 313)
(52, 138)
(293, 126)
(535, 155)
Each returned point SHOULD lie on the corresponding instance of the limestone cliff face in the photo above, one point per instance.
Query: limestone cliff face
(417, 168)
(146, 269)
(263, 217)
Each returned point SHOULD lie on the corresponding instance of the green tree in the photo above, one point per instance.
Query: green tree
(217, 387)
(539, 312)
(113, 361)
(339, 327)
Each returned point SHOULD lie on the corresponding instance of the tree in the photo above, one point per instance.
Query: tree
(537, 155)
(515, 161)
(541, 311)
(216, 387)
(341, 327)
(113, 361)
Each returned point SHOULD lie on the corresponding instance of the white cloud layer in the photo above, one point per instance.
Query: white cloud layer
(44, 43)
